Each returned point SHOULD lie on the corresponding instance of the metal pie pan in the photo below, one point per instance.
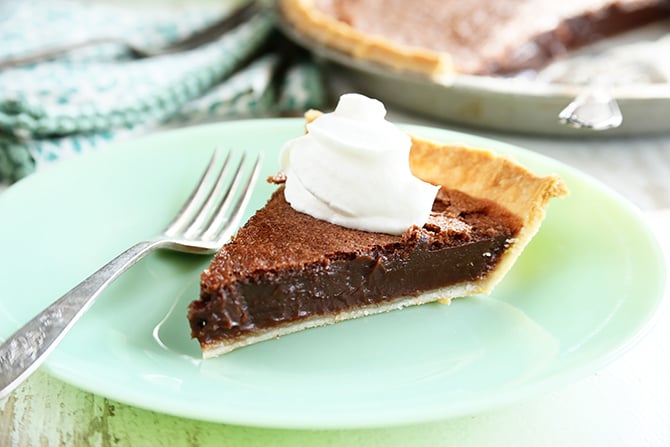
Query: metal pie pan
(515, 105)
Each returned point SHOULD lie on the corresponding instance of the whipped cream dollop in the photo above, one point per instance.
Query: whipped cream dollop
(352, 169)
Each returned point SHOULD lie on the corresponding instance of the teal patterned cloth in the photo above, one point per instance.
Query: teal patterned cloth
(57, 109)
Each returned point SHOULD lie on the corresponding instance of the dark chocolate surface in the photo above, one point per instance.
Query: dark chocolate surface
(284, 265)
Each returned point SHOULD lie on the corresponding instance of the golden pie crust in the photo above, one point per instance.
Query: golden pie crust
(307, 19)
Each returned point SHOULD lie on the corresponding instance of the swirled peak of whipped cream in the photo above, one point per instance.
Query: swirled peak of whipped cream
(352, 169)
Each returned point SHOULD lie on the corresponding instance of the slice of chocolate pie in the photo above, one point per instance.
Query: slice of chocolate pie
(286, 270)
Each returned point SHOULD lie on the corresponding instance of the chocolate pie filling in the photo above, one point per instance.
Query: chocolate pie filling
(324, 268)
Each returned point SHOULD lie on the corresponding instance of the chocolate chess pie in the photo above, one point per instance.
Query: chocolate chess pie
(286, 271)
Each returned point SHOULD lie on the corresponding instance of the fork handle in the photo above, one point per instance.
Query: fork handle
(23, 352)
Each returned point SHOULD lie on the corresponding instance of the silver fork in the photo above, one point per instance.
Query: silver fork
(206, 221)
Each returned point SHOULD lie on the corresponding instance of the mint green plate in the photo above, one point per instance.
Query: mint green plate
(578, 297)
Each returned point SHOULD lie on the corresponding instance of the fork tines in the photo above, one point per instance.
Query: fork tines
(214, 209)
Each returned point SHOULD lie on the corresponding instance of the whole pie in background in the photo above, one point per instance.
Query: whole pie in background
(470, 37)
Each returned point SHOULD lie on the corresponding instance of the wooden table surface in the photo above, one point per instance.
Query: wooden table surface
(625, 404)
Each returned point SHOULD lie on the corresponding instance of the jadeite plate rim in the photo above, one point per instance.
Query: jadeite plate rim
(275, 415)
